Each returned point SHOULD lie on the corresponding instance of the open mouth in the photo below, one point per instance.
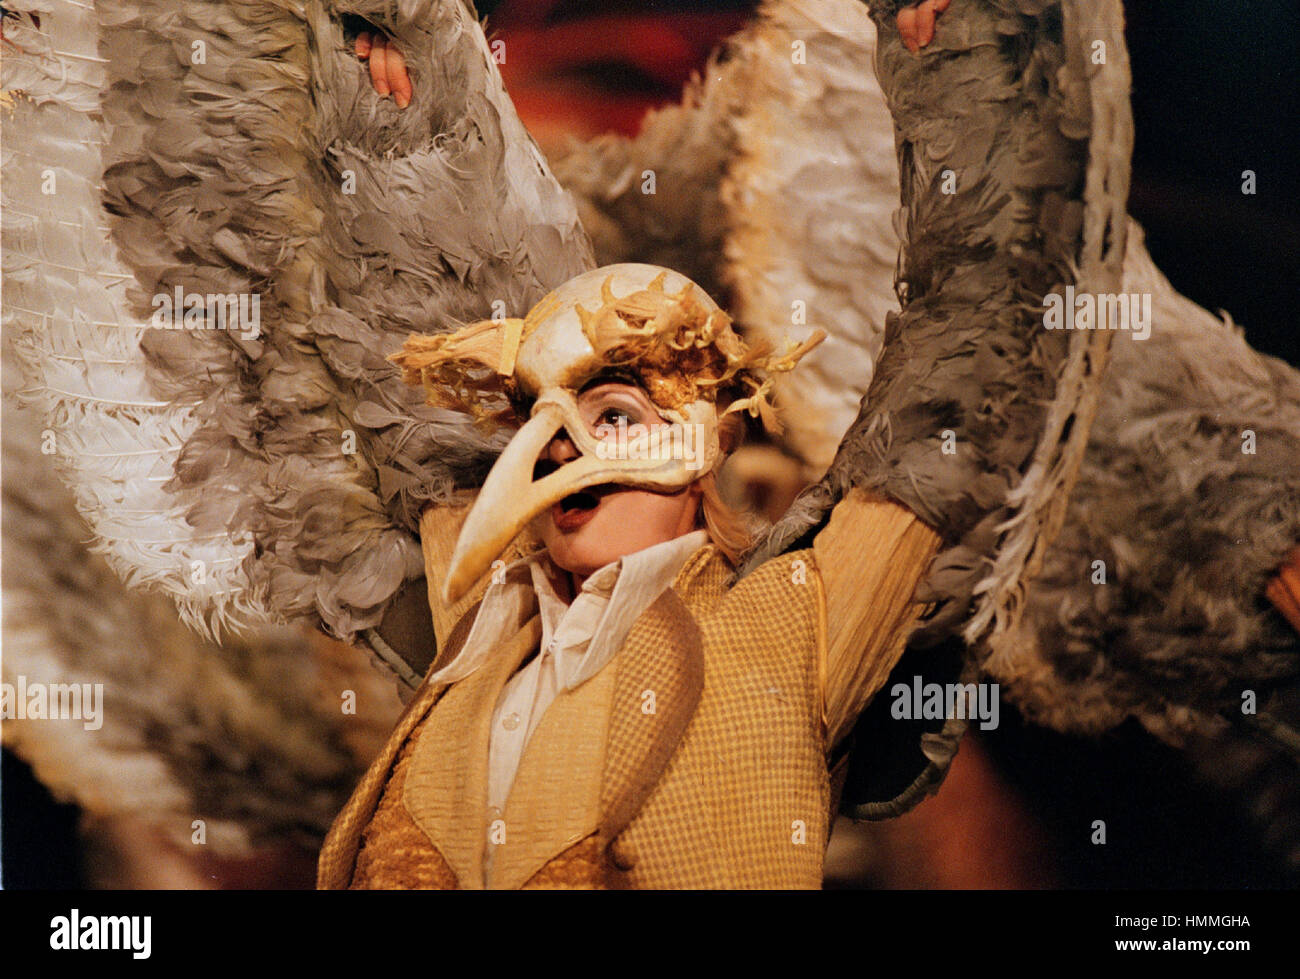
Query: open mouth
(577, 508)
(581, 500)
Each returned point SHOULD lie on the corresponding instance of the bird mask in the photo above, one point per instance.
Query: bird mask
(630, 322)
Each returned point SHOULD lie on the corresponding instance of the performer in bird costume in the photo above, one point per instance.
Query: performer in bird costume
(574, 770)
(686, 727)
(669, 729)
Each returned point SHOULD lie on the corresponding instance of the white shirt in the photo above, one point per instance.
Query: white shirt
(578, 638)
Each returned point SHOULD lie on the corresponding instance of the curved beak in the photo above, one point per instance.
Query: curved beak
(510, 498)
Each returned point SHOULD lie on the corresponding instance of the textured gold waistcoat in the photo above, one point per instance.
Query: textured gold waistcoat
(694, 759)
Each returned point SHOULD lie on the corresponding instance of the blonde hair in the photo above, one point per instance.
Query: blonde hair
(728, 529)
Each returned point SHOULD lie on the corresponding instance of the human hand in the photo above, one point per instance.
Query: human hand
(1283, 588)
(387, 66)
(916, 23)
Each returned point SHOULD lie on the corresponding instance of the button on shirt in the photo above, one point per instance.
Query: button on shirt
(578, 638)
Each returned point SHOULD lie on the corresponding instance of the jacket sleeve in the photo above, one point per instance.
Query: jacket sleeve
(870, 557)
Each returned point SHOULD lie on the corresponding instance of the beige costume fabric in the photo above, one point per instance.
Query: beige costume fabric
(695, 759)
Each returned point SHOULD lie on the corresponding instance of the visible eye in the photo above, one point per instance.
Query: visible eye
(612, 416)
(611, 406)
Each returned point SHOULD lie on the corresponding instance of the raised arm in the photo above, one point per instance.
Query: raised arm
(1013, 164)
(870, 556)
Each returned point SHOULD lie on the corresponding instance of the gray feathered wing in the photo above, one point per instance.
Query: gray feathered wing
(1187, 525)
(171, 733)
(274, 470)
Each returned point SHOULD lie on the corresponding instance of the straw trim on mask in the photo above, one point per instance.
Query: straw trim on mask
(680, 349)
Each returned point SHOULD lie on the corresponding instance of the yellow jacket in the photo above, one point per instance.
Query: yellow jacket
(696, 758)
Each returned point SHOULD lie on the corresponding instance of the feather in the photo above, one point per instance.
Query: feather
(242, 152)
(967, 362)
(1189, 497)
(1189, 526)
(247, 737)
(68, 321)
